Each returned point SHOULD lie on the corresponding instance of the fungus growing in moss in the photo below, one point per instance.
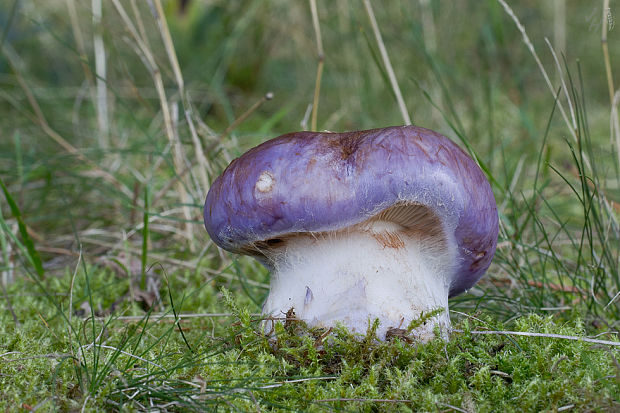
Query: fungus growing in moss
(385, 223)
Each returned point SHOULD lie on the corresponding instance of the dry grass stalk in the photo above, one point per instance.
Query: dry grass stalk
(604, 29)
(115, 349)
(387, 63)
(360, 400)
(77, 265)
(101, 104)
(201, 159)
(139, 22)
(240, 119)
(158, 14)
(39, 118)
(545, 335)
(79, 41)
(530, 46)
(319, 70)
(177, 148)
(176, 68)
(160, 194)
(8, 270)
(614, 97)
(156, 317)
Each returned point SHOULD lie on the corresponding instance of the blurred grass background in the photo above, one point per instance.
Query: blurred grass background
(114, 123)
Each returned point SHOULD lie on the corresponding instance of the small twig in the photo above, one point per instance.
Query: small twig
(615, 123)
(345, 399)
(9, 353)
(38, 356)
(319, 70)
(281, 383)
(545, 335)
(237, 122)
(449, 406)
(499, 373)
(386, 62)
(170, 317)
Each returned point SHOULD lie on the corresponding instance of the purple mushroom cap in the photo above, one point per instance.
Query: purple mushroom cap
(314, 182)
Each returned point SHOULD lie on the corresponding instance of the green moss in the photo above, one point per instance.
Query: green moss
(298, 368)
(229, 362)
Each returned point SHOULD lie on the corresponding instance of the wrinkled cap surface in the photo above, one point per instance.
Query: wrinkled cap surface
(313, 182)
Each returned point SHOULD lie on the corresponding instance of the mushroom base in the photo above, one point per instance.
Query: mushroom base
(357, 276)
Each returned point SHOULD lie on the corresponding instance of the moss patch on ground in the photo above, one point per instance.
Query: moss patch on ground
(228, 363)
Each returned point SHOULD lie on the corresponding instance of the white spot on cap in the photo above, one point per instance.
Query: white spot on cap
(265, 182)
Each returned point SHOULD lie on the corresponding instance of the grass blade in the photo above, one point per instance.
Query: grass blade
(35, 259)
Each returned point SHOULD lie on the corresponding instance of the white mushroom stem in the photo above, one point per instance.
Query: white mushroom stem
(379, 270)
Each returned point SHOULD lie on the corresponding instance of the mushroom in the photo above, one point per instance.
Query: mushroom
(379, 224)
